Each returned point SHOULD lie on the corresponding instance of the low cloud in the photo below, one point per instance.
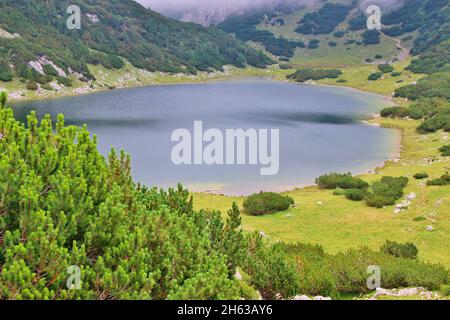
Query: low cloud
(169, 5)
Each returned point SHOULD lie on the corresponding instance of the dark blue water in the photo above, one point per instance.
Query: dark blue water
(320, 129)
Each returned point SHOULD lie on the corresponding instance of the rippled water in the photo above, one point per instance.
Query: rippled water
(320, 129)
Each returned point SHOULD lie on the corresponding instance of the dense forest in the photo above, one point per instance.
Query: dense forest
(75, 225)
(120, 29)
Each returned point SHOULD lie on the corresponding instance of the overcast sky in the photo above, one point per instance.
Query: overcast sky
(162, 5)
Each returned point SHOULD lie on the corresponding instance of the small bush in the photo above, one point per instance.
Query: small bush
(6, 74)
(339, 192)
(386, 192)
(332, 44)
(375, 76)
(350, 271)
(314, 44)
(285, 66)
(266, 203)
(394, 112)
(435, 123)
(64, 81)
(385, 68)
(303, 75)
(49, 70)
(343, 181)
(355, 194)
(420, 176)
(445, 290)
(419, 218)
(407, 250)
(396, 74)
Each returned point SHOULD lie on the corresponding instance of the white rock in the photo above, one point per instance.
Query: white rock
(319, 203)
(238, 275)
(262, 234)
(429, 228)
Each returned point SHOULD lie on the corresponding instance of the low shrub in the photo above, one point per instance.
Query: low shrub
(271, 271)
(314, 44)
(303, 75)
(64, 81)
(419, 218)
(47, 87)
(427, 108)
(385, 68)
(355, 194)
(420, 176)
(339, 192)
(445, 290)
(395, 112)
(342, 181)
(285, 66)
(266, 203)
(445, 150)
(49, 70)
(350, 271)
(401, 250)
(318, 273)
(435, 123)
(386, 192)
(6, 73)
(396, 74)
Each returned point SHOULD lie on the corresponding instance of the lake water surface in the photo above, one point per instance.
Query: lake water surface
(320, 130)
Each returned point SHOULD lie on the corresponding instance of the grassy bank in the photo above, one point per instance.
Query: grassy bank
(320, 216)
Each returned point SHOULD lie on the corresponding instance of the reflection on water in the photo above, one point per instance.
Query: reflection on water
(319, 129)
